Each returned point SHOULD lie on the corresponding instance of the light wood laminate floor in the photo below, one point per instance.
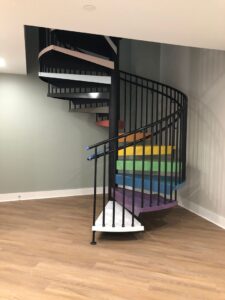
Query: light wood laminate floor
(45, 255)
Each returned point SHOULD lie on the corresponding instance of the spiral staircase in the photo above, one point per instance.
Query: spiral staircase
(142, 164)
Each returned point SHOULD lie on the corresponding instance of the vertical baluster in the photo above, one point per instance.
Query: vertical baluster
(104, 180)
(176, 149)
(125, 104)
(136, 98)
(157, 110)
(143, 170)
(170, 112)
(142, 103)
(93, 242)
(130, 83)
(172, 156)
(180, 145)
(159, 161)
(184, 139)
(124, 178)
(133, 180)
(166, 145)
(114, 182)
(151, 164)
(152, 106)
(160, 149)
(146, 112)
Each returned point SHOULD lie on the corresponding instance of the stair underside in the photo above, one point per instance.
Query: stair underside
(165, 186)
(118, 220)
(78, 55)
(92, 110)
(88, 42)
(150, 202)
(148, 166)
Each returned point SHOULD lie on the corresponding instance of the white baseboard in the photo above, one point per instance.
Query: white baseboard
(48, 194)
(203, 212)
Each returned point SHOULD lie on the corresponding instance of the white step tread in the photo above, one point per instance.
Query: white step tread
(77, 77)
(92, 110)
(118, 220)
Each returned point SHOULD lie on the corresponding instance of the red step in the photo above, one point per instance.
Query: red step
(105, 123)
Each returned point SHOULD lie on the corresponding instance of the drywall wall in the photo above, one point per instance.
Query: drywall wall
(200, 73)
(145, 59)
(42, 144)
(140, 58)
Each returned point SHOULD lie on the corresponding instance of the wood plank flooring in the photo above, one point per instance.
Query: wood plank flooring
(45, 255)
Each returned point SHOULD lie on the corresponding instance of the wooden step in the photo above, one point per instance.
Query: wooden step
(142, 203)
(148, 165)
(164, 185)
(131, 138)
(149, 150)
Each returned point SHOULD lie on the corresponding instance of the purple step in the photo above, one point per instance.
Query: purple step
(156, 203)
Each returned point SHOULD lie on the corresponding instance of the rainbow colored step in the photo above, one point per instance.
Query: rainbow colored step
(105, 123)
(168, 166)
(147, 150)
(132, 137)
(150, 202)
(165, 185)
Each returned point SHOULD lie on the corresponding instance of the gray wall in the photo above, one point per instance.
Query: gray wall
(42, 144)
(140, 58)
(201, 74)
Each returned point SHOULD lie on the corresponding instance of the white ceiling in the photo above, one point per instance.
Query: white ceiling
(198, 23)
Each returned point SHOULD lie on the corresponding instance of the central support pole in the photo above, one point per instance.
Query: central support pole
(114, 114)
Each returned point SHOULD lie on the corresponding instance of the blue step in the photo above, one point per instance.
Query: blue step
(138, 183)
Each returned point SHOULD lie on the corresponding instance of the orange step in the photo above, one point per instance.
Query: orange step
(105, 123)
(130, 138)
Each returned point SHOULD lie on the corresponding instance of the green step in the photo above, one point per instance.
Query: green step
(147, 165)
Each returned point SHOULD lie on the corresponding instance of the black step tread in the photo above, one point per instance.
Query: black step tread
(90, 42)
(54, 59)
(91, 96)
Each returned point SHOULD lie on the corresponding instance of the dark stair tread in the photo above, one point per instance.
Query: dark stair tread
(93, 96)
(89, 42)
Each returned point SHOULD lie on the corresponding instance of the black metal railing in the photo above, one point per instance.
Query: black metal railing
(155, 126)
(155, 116)
(66, 90)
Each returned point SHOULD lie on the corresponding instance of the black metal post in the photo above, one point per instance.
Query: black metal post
(114, 111)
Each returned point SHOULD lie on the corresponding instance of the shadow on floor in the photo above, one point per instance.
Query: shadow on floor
(152, 222)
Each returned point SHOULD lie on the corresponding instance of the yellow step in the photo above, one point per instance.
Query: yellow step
(149, 150)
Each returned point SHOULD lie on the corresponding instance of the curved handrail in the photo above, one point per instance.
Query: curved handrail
(181, 108)
(104, 142)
